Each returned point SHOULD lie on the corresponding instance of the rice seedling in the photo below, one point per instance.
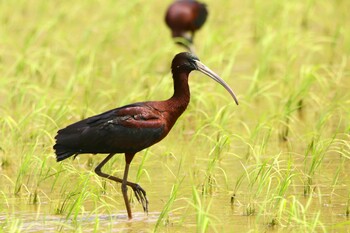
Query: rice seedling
(347, 212)
(295, 102)
(210, 182)
(276, 163)
(203, 218)
(164, 217)
(238, 183)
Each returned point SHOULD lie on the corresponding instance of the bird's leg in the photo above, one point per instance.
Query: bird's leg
(191, 48)
(99, 167)
(125, 190)
(190, 45)
(140, 193)
(110, 177)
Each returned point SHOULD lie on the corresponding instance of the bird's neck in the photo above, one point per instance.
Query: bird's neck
(181, 96)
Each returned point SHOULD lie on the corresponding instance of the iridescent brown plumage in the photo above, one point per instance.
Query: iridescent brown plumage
(184, 18)
(132, 128)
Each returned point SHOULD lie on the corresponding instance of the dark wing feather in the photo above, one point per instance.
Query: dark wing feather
(128, 129)
(202, 14)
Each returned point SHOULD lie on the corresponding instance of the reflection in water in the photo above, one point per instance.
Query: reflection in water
(51, 223)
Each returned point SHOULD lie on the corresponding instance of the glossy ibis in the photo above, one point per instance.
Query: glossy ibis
(132, 128)
(184, 17)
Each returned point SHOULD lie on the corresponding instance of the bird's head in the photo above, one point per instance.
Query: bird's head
(186, 62)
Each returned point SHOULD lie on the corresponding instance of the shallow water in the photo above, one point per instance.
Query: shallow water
(107, 212)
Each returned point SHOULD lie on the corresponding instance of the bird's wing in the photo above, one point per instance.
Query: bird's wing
(202, 14)
(131, 116)
(129, 128)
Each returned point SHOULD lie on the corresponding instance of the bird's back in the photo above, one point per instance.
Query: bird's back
(186, 15)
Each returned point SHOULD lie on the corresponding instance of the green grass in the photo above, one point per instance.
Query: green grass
(277, 162)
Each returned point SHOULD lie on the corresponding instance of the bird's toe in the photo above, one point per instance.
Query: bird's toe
(140, 194)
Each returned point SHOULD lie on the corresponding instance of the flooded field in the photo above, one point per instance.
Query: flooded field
(278, 162)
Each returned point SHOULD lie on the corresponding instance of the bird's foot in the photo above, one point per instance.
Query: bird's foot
(140, 194)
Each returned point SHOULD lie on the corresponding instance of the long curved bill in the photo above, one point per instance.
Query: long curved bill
(205, 70)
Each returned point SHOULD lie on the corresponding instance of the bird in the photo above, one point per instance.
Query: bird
(184, 18)
(134, 127)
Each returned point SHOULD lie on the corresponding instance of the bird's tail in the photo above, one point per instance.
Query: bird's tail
(62, 152)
